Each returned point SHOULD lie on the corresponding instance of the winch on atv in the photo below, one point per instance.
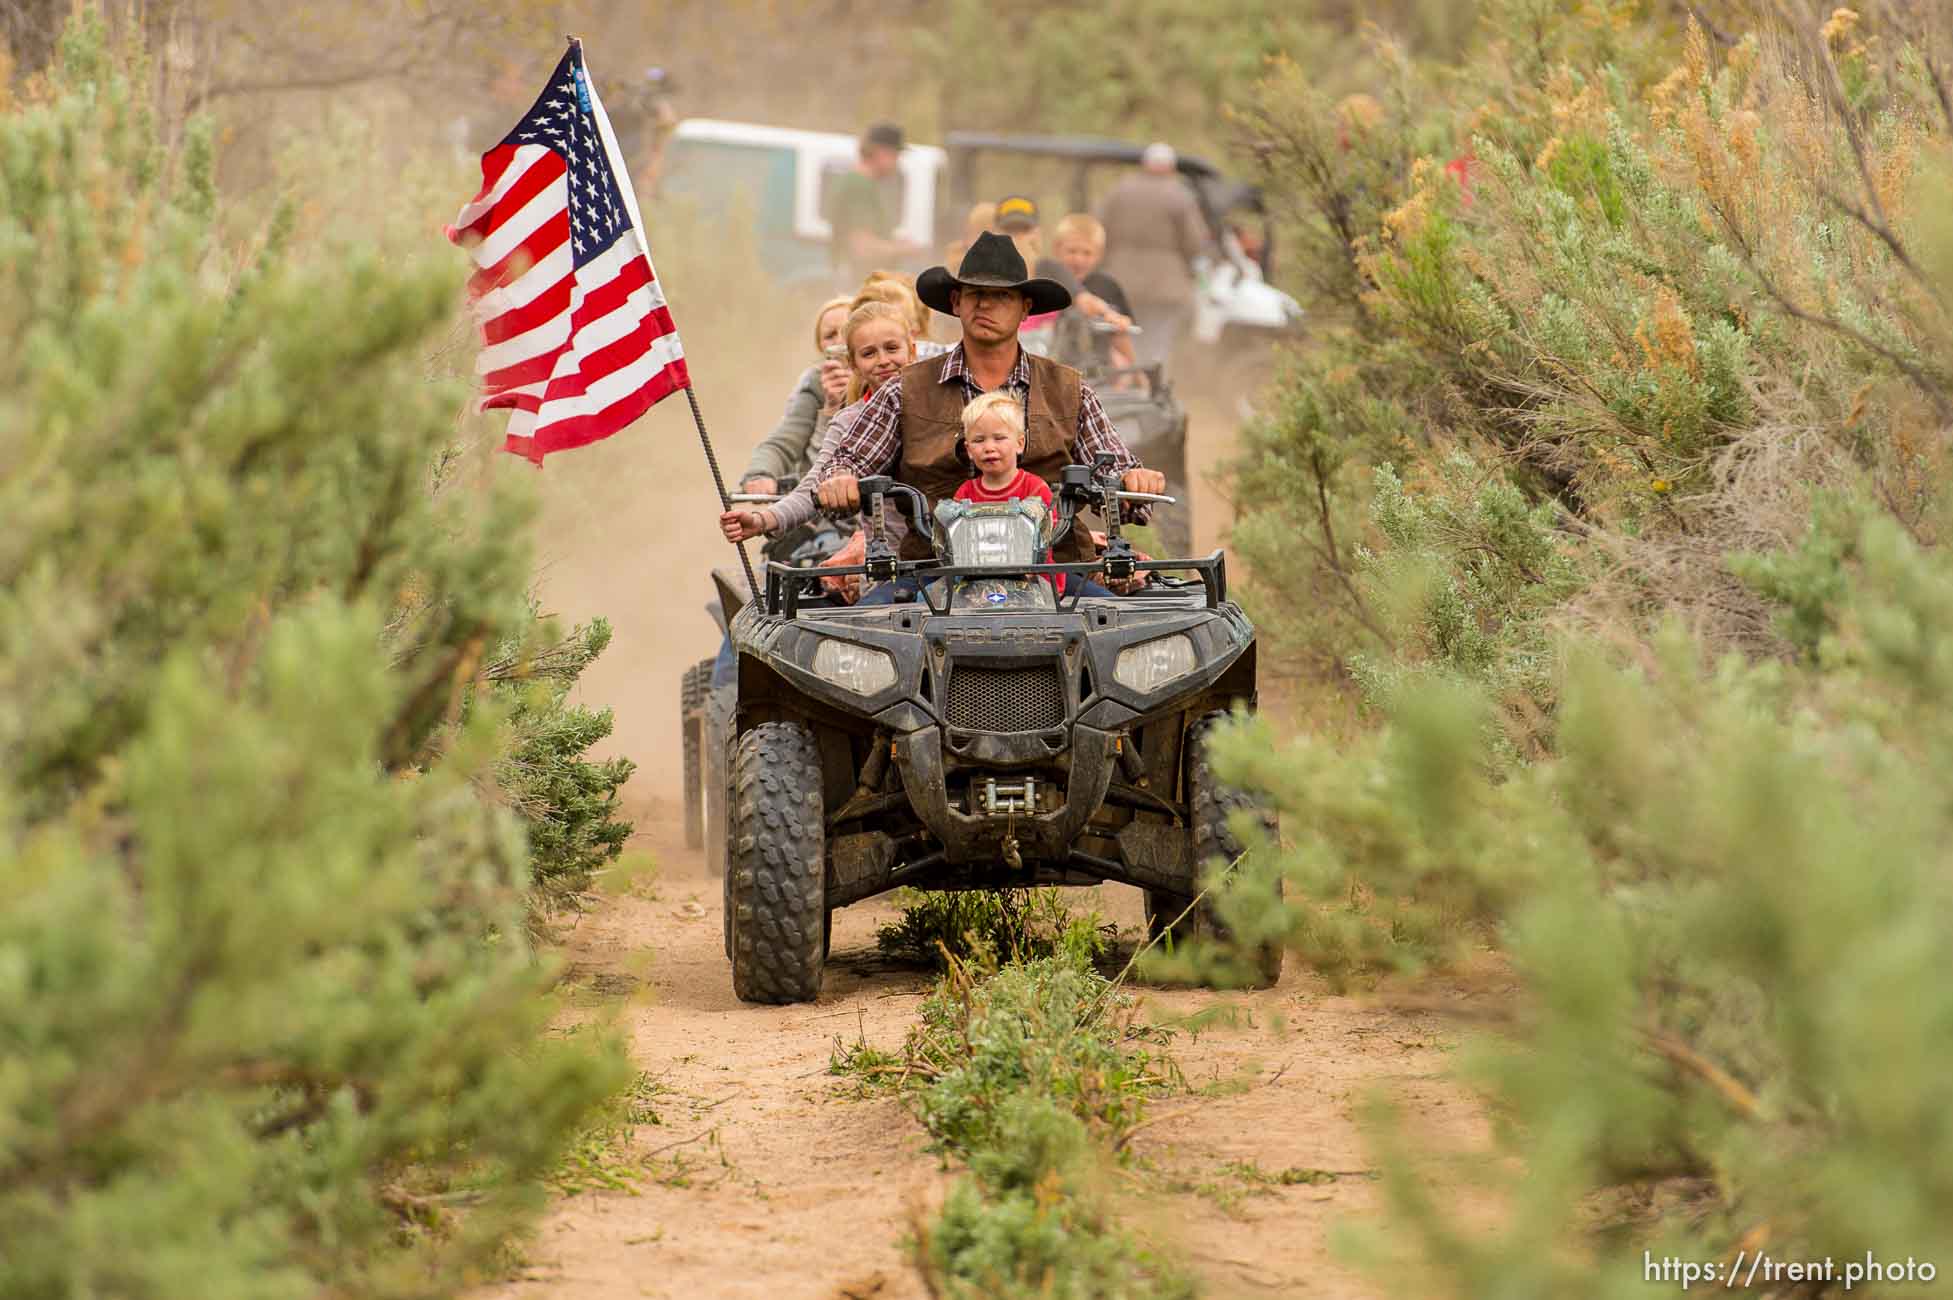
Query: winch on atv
(994, 733)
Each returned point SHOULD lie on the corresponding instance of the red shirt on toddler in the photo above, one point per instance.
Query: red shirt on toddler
(1025, 487)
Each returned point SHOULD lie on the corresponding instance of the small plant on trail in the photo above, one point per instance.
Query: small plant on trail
(1005, 925)
(1032, 1074)
(600, 1159)
(1053, 1029)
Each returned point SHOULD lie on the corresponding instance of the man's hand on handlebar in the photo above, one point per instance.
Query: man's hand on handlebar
(760, 485)
(843, 492)
(739, 525)
(1144, 480)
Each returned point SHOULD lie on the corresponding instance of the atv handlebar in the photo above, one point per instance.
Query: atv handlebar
(785, 583)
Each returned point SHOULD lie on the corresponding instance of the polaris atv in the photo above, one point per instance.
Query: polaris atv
(705, 703)
(995, 734)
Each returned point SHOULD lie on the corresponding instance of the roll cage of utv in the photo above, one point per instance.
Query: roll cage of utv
(1081, 157)
(993, 733)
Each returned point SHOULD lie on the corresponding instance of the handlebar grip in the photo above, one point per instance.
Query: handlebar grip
(1147, 496)
(755, 498)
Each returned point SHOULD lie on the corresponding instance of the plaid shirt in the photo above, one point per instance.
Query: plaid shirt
(872, 441)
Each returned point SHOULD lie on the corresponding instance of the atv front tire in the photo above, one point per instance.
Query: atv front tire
(1210, 802)
(775, 865)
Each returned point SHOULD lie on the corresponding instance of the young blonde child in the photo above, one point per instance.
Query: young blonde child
(1078, 241)
(993, 442)
(896, 290)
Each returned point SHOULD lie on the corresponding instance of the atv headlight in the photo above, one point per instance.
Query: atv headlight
(1152, 664)
(858, 668)
(994, 541)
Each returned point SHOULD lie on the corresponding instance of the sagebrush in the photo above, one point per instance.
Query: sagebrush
(1615, 477)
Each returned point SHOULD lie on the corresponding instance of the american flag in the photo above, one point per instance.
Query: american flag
(576, 338)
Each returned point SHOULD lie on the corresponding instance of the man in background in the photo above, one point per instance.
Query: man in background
(1153, 234)
(863, 205)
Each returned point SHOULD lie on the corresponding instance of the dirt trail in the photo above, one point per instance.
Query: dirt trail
(766, 1179)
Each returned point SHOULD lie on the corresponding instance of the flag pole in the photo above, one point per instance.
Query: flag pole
(718, 481)
(629, 195)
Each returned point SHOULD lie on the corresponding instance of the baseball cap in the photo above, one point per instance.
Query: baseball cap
(886, 134)
(1159, 154)
(1016, 212)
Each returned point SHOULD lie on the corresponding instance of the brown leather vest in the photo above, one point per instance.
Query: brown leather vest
(932, 421)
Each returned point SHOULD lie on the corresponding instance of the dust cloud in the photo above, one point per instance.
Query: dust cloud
(629, 529)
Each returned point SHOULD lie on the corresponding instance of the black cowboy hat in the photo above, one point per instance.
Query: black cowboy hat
(993, 262)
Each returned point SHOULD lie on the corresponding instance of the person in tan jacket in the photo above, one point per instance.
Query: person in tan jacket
(1153, 233)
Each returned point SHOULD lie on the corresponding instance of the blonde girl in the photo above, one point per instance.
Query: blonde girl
(880, 340)
(897, 291)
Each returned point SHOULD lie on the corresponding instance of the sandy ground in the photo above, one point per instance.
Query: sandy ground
(765, 1178)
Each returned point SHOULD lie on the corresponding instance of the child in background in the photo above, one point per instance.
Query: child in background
(993, 440)
(1078, 241)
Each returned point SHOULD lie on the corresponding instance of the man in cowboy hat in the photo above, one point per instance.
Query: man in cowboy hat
(911, 425)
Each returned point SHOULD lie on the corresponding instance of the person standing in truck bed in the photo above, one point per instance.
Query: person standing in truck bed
(863, 204)
(1153, 233)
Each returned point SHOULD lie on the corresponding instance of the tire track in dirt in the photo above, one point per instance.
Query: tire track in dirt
(766, 1179)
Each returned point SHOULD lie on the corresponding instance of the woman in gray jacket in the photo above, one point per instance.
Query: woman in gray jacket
(788, 450)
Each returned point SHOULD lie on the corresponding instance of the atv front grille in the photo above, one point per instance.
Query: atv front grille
(1005, 699)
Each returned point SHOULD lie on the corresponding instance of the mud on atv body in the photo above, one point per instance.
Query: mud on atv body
(968, 742)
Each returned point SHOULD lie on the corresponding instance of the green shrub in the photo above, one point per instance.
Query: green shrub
(567, 803)
(1649, 603)
(1725, 901)
(1033, 1078)
(271, 1022)
(1050, 1028)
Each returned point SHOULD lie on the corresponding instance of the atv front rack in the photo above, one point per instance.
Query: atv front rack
(785, 583)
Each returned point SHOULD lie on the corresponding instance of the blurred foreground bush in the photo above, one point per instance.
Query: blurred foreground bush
(1617, 491)
(270, 1024)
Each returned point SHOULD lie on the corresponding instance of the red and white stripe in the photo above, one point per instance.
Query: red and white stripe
(574, 353)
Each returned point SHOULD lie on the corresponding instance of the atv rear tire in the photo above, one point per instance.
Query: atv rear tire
(691, 741)
(715, 722)
(776, 872)
(1210, 802)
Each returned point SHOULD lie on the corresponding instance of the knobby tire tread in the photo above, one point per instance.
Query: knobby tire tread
(776, 869)
(1211, 803)
(689, 739)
